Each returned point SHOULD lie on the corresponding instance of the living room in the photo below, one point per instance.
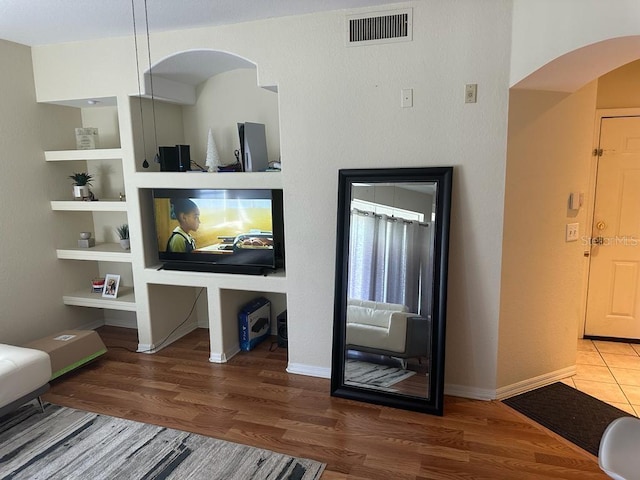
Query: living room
(321, 85)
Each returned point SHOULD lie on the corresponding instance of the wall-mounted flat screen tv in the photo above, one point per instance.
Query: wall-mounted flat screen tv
(220, 230)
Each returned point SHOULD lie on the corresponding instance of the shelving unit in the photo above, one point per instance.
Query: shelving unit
(101, 252)
(111, 205)
(100, 216)
(163, 299)
(274, 282)
(77, 155)
(126, 300)
(209, 180)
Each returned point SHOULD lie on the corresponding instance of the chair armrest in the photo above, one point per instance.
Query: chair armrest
(419, 334)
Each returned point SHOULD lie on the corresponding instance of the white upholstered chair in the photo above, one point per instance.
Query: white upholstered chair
(387, 329)
(619, 454)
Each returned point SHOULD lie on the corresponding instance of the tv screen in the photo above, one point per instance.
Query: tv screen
(219, 230)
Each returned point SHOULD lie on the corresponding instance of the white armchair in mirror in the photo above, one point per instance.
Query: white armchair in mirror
(387, 329)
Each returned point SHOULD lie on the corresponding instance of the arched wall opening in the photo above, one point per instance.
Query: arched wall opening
(188, 93)
(543, 282)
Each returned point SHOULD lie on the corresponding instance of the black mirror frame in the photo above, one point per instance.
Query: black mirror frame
(442, 176)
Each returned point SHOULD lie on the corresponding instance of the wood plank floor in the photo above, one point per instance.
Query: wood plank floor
(252, 400)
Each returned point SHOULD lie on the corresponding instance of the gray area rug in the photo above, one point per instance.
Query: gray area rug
(572, 414)
(64, 443)
(373, 374)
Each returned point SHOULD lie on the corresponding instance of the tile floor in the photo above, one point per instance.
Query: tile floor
(609, 371)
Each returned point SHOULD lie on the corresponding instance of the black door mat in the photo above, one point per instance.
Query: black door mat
(572, 414)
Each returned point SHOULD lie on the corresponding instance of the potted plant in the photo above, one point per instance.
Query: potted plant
(81, 183)
(123, 233)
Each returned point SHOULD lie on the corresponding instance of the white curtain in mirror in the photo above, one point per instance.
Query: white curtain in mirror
(389, 258)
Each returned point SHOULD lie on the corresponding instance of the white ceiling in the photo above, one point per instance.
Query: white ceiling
(42, 22)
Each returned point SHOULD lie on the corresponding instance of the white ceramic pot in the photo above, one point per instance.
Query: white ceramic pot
(80, 192)
(125, 243)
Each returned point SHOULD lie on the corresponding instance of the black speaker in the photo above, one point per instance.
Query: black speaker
(184, 158)
(281, 322)
(168, 159)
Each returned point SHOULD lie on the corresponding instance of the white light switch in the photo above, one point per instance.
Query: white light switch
(471, 93)
(573, 230)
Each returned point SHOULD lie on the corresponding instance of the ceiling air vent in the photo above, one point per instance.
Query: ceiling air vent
(380, 27)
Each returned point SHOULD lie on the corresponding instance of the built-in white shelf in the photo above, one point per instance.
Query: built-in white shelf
(126, 299)
(208, 180)
(274, 282)
(102, 252)
(108, 205)
(71, 155)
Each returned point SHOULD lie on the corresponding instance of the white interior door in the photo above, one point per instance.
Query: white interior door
(613, 297)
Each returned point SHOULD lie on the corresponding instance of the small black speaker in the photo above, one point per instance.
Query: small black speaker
(281, 322)
(168, 159)
(184, 158)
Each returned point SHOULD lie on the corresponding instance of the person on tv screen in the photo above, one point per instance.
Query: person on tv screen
(187, 213)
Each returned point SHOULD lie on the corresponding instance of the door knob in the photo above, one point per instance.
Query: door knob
(601, 225)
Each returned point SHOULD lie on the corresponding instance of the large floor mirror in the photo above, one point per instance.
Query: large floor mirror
(391, 286)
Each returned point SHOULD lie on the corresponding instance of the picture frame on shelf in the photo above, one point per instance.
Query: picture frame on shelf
(111, 285)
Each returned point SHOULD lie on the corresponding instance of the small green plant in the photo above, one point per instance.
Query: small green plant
(81, 179)
(123, 231)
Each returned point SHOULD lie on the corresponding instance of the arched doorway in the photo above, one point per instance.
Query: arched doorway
(544, 276)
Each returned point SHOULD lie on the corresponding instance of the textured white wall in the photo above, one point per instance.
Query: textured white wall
(546, 30)
(32, 280)
(542, 275)
(619, 88)
(222, 102)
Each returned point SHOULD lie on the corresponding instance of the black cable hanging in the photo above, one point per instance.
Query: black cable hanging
(156, 158)
(145, 163)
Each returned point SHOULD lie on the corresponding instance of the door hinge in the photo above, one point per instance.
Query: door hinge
(597, 152)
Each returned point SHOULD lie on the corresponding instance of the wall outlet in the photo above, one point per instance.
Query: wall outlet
(572, 233)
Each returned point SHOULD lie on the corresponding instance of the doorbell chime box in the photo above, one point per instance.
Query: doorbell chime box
(254, 321)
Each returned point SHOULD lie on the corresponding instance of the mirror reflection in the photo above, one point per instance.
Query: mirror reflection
(391, 283)
(389, 287)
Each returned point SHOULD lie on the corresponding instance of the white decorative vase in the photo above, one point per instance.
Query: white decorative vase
(125, 243)
(80, 192)
(213, 158)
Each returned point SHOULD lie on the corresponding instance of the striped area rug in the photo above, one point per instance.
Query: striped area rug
(64, 443)
(373, 374)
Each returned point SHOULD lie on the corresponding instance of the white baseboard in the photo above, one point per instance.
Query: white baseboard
(146, 348)
(121, 322)
(469, 392)
(309, 370)
(509, 390)
(178, 334)
(224, 356)
(535, 382)
(91, 325)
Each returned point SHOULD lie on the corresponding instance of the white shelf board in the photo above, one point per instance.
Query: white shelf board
(208, 180)
(274, 282)
(126, 300)
(107, 205)
(70, 155)
(103, 252)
